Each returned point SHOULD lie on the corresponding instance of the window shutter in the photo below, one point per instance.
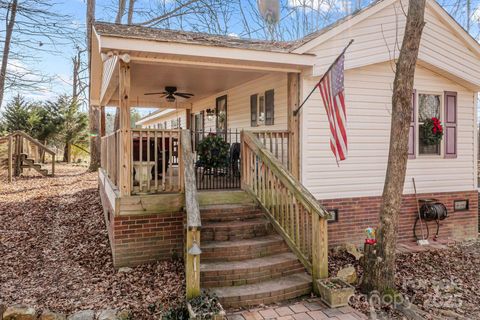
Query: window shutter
(269, 107)
(413, 128)
(450, 124)
(253, 110)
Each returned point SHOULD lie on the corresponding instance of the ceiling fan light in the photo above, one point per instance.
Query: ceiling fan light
(170, 98)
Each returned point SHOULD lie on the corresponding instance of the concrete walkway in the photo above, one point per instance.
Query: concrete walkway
(298, 310)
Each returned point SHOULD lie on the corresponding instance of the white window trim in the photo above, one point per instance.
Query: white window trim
(417, 123)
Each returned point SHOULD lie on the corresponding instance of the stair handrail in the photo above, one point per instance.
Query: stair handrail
(21, 134)
(194, 223)
(292, 209)
(34, 141)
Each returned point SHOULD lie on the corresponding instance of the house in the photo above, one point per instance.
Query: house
(244, 93)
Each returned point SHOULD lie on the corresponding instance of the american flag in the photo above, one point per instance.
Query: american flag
(332, 90)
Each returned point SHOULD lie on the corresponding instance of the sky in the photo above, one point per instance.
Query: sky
(60, 64)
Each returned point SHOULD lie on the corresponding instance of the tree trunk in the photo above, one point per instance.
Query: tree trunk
(10, 23)
(121, 11)
(380, 263)
(93, 112)
(131, 9)
(67, 152)
(95, 156)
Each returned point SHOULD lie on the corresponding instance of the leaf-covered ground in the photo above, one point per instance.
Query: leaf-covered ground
(445, 284)
(55, 254)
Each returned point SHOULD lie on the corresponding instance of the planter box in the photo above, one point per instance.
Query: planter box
(220, 316)
(335, 292)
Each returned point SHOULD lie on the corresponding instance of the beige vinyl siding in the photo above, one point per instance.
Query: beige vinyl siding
(368, 100)
(379, 37)
(180, 113)
(238, 103)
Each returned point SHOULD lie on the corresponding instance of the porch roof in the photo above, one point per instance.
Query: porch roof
(199, 38)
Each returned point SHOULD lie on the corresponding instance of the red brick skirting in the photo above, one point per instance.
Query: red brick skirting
(356, 214)
(147, 238)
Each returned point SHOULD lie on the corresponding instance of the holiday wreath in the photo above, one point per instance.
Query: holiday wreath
(432, 131)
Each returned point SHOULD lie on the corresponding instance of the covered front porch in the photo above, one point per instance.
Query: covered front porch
(226, 145)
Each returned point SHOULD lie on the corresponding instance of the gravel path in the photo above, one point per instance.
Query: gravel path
(55, 254)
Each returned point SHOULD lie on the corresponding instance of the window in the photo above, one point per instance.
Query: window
(429, 106)
(262, 109)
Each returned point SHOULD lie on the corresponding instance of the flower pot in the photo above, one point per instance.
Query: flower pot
(219, 316)
(335, 292)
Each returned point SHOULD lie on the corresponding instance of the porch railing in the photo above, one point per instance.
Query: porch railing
(277, 142)
(224, 176)
(109, 156)
(293, 210)
(156, 161)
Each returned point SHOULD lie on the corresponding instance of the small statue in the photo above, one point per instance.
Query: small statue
(370, 232)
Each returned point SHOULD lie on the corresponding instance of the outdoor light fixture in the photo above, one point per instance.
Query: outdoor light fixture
(210, 114)
(195, 251)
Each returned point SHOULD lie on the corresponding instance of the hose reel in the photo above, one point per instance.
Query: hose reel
(430, 210)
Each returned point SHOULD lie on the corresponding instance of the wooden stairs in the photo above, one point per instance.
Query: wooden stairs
(244, 261)
(27, 163)
(18, 152)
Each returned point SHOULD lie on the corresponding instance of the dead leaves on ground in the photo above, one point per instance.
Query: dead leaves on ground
(55, 254)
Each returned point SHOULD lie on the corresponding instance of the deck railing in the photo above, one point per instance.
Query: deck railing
(109, 156)
(156, 161)
(277, 142)
(293, 210)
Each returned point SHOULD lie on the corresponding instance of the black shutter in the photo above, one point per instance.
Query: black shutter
(269, 107)
(253, 110)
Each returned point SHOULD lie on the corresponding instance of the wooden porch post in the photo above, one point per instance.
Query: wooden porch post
(188, 120)
(293, 100)
(125, 154)
(102, 121)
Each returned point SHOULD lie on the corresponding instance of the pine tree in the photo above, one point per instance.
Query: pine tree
(18, 115)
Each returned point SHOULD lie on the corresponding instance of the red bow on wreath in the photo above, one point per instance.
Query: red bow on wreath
(437, 126)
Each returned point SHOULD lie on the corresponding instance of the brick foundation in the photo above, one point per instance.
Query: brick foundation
(356, 214)
(143, 239)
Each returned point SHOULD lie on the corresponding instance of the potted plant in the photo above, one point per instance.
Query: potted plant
(213, 153)
(335, 292)
(205, 306)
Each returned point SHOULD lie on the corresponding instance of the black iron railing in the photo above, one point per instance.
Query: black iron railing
(217, 159)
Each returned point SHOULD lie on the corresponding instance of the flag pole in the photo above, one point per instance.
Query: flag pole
(323, 77)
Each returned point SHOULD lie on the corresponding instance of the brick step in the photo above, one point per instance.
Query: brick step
(243, 249)
(236, 230)
(284, 288)
(235, 273)
(228, 212)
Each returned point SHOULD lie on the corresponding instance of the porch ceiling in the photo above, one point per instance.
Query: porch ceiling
(202, 81)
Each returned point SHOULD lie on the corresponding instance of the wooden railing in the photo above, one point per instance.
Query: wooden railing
(109, 156)
(293, 210)
(20, 146)
(194, 224)
(277, 142)
(156, 164)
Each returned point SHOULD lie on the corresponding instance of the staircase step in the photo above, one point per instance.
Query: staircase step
(242, 249)
(235, 273)
(236, 230)
(284, 288)
(229, 212)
